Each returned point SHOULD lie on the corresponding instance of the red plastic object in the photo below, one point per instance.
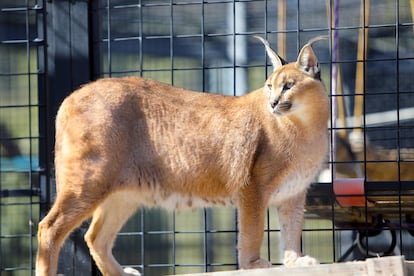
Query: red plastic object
(350, 192)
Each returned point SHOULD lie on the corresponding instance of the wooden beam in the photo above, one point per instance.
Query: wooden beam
(281, 26)
(361, 56)
(395, 265)
(386, 266)
(412, 10)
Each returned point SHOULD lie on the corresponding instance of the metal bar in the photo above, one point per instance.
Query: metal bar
(20, 193)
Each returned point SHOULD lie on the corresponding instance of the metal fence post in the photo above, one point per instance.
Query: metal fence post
(68, 67)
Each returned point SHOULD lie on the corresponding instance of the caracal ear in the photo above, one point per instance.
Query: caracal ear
(274, 58)
(307, 61)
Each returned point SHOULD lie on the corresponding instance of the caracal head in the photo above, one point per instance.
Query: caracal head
(291, 85)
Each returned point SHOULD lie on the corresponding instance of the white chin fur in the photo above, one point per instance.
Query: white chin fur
(272, 109)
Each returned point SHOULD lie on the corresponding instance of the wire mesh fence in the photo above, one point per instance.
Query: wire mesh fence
(208, 46)
(22, 138)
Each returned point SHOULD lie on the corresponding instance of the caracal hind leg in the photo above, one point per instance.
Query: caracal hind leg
(291, 222)
(67, 213)
(107, 220)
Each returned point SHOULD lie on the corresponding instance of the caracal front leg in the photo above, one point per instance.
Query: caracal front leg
(252, 208)
(291, 214)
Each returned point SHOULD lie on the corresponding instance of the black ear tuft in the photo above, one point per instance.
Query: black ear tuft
(283, 61)
(318, 75)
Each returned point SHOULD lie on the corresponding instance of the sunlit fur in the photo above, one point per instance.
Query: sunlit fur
(130, 142)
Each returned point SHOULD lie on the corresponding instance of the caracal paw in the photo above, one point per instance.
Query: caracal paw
(129, 271)
(293, 259)
(259, 263)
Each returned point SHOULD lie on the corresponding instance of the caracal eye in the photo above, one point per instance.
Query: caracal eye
(288, 85)
(269, 86)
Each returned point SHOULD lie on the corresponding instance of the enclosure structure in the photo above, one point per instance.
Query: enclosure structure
(50, 48)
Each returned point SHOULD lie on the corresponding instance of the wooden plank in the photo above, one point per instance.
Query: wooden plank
(356, 269)
(396, 266)
(386, 266)
(409, 265)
